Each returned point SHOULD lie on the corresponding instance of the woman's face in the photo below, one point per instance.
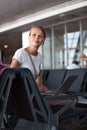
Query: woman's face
(36, 36)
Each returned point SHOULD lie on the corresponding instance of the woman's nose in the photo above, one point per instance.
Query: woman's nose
(37, 36)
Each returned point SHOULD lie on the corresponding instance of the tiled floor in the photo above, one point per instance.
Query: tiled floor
(25, 125)
(83, 126)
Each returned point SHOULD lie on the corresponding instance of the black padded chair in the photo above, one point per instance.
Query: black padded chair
(6, 79)
(77, 88)
(25, 101)
(80, 83)
(55, 78)
(44, 74)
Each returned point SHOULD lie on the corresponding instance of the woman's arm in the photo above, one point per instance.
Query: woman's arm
(14, 64)
(42, 88)
(84, 57)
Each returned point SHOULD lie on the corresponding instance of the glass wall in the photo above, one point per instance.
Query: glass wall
(59, 46)
(72, 42)
(47, 51)
(84, 38)
(64, 43)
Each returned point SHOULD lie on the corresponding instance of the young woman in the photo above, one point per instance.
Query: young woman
(30, 57)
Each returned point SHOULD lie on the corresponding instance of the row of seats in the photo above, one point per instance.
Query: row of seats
(20, 98)
(53, 78)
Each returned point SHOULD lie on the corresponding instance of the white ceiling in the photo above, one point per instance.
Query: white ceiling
(11, 10)
(14, 9)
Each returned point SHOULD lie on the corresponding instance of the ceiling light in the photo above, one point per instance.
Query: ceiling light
(5, 46)
(62, 15)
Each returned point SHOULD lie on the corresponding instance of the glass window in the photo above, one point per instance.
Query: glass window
(73, 43)
(46, 51)
(59, 46)
(84, 25)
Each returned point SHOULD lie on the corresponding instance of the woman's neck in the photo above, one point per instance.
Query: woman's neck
(32, 50)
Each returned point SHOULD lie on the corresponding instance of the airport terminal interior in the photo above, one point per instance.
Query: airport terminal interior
(65, 24)
(66, 31)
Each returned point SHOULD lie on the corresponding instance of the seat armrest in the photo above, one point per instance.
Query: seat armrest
(62, 100)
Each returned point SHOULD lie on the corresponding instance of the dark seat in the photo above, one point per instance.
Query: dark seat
(80, 82)
(78, 87)
(55, 78)
(6, 79)
(25, 101)
(44, 74)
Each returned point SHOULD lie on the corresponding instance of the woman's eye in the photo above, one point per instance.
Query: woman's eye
(39, 36)
(34, 35)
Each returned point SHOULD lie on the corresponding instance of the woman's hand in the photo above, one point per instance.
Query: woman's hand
(83, 56)
(43, 88)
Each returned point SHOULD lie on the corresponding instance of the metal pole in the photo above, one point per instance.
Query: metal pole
(53, 49)
(66, 41)
(81, 40)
